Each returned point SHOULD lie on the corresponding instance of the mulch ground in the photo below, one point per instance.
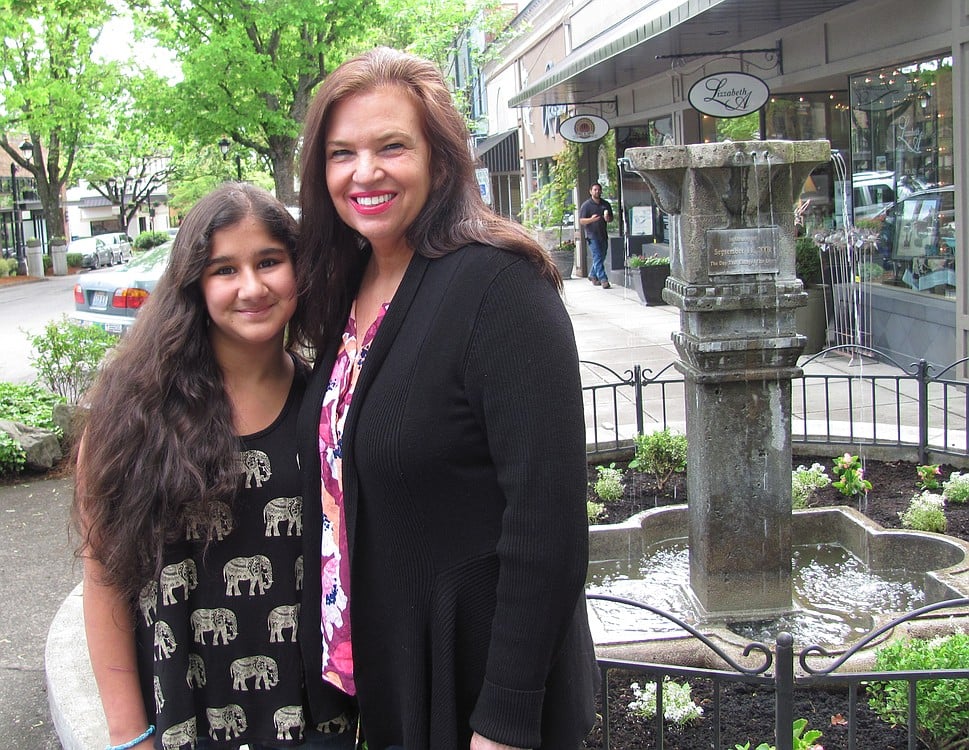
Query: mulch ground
(747, 712)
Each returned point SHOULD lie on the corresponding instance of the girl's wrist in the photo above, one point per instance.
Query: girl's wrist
(134, 742)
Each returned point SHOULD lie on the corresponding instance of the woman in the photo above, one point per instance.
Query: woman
(442, 434)
(188, 499)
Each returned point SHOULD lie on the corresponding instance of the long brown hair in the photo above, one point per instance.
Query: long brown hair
(332, 254)
(157, 425)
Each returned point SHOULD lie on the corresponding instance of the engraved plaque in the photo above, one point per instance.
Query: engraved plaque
(741, 251)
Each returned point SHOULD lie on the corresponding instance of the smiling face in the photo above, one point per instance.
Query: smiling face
(378, 165)
(249, 285)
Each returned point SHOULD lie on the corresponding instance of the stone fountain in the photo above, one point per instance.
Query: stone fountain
(732, 277)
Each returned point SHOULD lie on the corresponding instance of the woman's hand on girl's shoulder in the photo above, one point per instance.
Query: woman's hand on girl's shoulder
(483, 743)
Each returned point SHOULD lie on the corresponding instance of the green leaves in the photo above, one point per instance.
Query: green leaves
(66, 356)
(942, 706)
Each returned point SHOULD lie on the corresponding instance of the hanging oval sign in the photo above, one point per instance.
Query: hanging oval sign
(729, 94)
(583, 128)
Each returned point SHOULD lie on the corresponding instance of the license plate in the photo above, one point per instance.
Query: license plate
(100, 301)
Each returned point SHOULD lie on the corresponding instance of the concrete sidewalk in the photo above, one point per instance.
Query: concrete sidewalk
(39, 572)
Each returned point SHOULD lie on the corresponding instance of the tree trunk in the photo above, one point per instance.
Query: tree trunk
(284, 169)
(50, 202)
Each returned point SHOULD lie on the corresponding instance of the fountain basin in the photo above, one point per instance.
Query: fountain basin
(920, 567)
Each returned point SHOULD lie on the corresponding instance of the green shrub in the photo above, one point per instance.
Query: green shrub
(29, 404)
(148, 240)
(594, 511)
(661, 453)
(807, 261)
(10, 266)
(851, 476)
(926, 512)
(67, 356)
(804, 738)
(804, 483)
(12, 456)
(942, 706)
(956, 490)
(928, 476)
(73, 260)
(609, 485)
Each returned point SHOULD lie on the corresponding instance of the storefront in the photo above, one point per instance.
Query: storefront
(883, 80)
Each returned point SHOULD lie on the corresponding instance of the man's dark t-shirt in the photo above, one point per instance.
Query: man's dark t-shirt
(596, 229)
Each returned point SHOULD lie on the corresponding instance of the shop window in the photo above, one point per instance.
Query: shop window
(643, 223)
(901, 172)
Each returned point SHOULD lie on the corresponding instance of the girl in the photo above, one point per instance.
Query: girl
(188, 499)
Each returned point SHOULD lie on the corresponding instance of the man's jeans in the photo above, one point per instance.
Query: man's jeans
(598, 251)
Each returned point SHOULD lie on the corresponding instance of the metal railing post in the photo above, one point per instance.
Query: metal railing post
(784, 693)
(638, 385)
(922, 377)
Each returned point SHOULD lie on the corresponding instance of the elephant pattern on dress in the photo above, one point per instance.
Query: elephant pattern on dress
(182, 575)
(218, 628)
(257, 570)
(221, 622)
(165, 643)
(261, 669)
(286, 720)
(285, 617)
(195, 676)
(159, 696)
(230, 720)
(288, 510)
(256, 467)
(148, 601)
(179, 735)
(211, 520)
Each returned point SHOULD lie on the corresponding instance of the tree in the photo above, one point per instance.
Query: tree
(250, 69)
(130, 155)
(52, 90)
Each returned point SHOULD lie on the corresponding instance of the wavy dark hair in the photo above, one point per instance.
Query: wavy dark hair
(157, 424)
(331, 254)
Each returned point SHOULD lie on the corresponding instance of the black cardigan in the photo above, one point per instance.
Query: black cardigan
(464, 481)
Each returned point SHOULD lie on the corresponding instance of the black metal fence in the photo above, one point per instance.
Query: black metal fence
(785, 679)
(881, 403)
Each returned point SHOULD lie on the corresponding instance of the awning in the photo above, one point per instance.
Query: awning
(499, 153)
(628, 53)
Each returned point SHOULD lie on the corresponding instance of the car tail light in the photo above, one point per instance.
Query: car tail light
(78, 295)
(129, 299)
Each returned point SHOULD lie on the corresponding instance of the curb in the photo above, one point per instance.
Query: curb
(72, 694)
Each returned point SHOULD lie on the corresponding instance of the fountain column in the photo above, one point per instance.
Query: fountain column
(732, 277)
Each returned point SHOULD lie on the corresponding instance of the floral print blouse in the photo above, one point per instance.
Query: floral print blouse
(334, 561)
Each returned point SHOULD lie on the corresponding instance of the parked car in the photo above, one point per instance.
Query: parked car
(94, 251)
(918, 240)
(873, 192)
(120, 245)
(111, 300)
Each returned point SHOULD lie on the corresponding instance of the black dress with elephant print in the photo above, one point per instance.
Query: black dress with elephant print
(217, 643)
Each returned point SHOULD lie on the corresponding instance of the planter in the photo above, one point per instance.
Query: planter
(650, 282)
(811, 321)
(564, 262)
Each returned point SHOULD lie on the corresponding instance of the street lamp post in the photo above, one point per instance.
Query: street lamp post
(27, 149)
(224, 148)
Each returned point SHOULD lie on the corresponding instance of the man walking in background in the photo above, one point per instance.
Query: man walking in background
(594, 214)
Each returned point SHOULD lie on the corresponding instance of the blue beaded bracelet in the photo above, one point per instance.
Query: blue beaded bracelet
(140, 738)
